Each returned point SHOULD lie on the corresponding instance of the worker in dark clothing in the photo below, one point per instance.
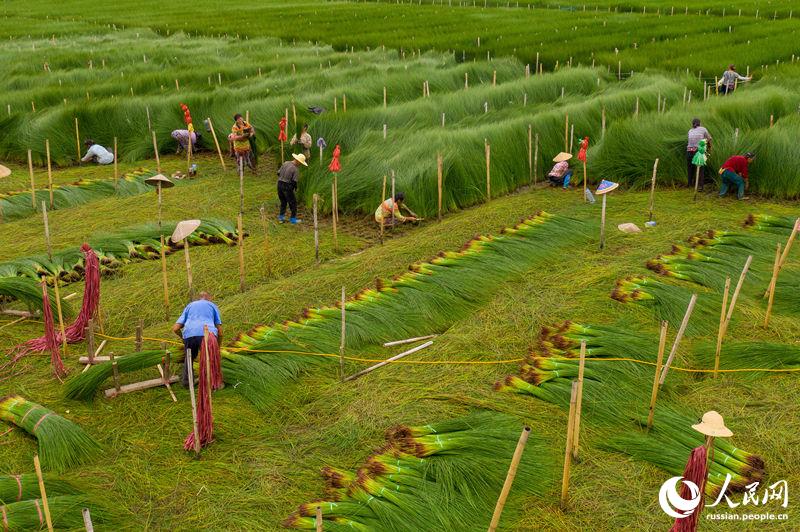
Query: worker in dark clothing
(734, 173)
(287, 184)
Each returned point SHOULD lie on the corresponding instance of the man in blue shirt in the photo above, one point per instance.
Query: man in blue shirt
(190, 326)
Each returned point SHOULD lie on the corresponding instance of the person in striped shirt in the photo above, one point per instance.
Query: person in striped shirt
(696, 134)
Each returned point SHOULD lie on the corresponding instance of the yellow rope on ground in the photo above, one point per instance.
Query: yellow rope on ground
(460, 362)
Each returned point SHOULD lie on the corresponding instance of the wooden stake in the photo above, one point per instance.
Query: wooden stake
(138, 386)
(721, 331)
(696, 181)
(512, 472)
(318, 519)
(188, 268)
(57, 282)
(77, 138)
(344, 103)
(439, 176)
(335, 213)
(164, 277)
(240, 238)
(775, 270)
(116, 167)
(189, 157)
(342, 341)
(787, 248)
(87, 520)
(195, 421)
(139, 331)
(149, 124)
(488, 150)
(166, 383)
(216, 143)
(603, 223)
(89, 333)
(316, 229)
(771, 120)
(393, 194)
(662, 344)
(114, 371)
(47, 231)
(653, 189)
(409, 340)
(383, 198)
(265, 226)
(155, 150)
(568, 448)
(576, 431)
(388, 361)
(737, 290)
(42, 492)
(674, 350)
(33, 183)
(566, 132)
(535, 157)
(384, 96)
(603, 123)
(530, 153)
(49, 171)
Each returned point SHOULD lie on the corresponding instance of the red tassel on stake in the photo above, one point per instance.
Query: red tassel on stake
(696, 471)
(210, 343)
(91, 302)
(335, 165)
(50, 337)
(205, 417)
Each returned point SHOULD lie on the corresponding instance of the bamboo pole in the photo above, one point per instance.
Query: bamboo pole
(42, 492)
(576, 431)
(216, 143)
(342, 341)
(188, 267)
(786, 249)
(384, 96)
(265, 226)
(568, 448)
(409, 340)
(344, 103)
(47, 231)
(241, 185)
(388, 361)
(89, 334)
(318, 519)
(439, 175)
(77, 138)
(653, 190)
(603, 223)
(566, 132)
(335, 210)
(512, 472)
(195, 421)
(696, 181)
(155, 150)
(603, 123)
(678, 338)
(775, 270)
(535, 157)
(316, 229)
(33, 182)
(662, 344)
(488, 149)
(241, 252)
(116, 167)
(49, 170)
(530, 153)
(138, 337)
(87, 520)
(189, 156)
(383, 198)
(162, 251)
(721, 331)
(393, 194)
(736, 291)
(585, 198)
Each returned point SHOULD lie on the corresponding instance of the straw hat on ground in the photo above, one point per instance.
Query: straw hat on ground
(561, 157)
(4, 171)
(300, 158)
(184, 229)
(159, 178)
(713, 425)
(629, 228)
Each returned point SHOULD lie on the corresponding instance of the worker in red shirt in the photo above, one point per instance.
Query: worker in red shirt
(734, 174)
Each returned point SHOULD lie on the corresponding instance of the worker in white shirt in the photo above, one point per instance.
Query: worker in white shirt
(97, 154)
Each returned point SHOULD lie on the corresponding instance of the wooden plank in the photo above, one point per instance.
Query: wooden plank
(138, 386)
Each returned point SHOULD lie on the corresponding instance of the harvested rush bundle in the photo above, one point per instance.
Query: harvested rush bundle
(84, 385)
(62, 443)
(26, 291)
(441, 291)
(434, 477)
(16, 205)
(16, 488)
(65, 512)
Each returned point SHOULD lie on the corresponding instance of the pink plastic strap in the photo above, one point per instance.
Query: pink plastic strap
(36, 502)
(21, 421)
(19, 487)
(5, 518)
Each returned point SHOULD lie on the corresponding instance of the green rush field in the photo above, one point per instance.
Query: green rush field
(509, 281)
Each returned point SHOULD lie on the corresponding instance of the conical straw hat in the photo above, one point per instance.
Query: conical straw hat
(184, 229)
(561, 157)
(159, 178)
(713, 425)
(4, 171)
(605, 187)
(300, 158)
